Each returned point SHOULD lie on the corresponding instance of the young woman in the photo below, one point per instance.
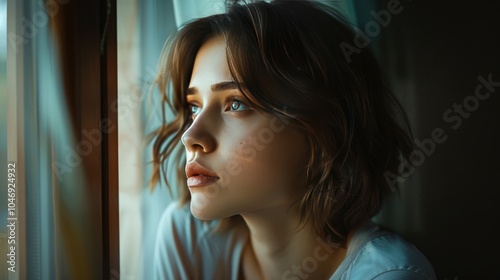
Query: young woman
(288, 139)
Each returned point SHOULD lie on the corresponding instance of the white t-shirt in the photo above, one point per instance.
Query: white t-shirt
(187, 248)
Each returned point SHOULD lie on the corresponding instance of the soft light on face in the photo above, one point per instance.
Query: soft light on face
(252, 161)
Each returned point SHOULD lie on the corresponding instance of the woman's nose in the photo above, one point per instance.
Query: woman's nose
(199, 136)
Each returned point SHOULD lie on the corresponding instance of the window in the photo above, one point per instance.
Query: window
(62, 137)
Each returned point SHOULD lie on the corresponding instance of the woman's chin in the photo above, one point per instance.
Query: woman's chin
(202, 210)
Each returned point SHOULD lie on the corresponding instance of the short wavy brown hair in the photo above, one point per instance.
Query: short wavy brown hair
(287, 54)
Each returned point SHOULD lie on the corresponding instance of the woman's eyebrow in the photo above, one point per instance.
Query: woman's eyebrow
(215, 87)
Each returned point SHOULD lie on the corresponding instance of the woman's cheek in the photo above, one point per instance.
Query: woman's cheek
(256, 151)
(245, 151)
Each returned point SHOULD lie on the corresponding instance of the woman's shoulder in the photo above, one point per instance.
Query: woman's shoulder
(188, 248)
(180, 230)
(376, 253)
(178, 221)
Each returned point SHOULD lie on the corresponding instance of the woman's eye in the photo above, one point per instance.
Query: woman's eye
(194, 109)
(237, 105)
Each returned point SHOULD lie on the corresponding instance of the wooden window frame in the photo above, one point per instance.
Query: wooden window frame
(86, 36)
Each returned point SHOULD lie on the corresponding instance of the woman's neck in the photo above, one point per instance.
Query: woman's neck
(279, 249)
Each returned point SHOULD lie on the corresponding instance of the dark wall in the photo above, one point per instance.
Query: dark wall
(434, 53)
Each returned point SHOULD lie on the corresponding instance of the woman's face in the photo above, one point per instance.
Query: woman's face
(239, 160)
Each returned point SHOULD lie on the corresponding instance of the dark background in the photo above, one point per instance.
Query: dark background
(433, 53)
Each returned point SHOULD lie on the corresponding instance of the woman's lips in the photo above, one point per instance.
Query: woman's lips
(200, 180)
(199, 176)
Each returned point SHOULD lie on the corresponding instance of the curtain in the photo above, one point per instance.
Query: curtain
(53, 233)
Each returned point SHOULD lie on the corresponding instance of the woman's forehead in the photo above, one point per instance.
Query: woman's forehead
(210, 65)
